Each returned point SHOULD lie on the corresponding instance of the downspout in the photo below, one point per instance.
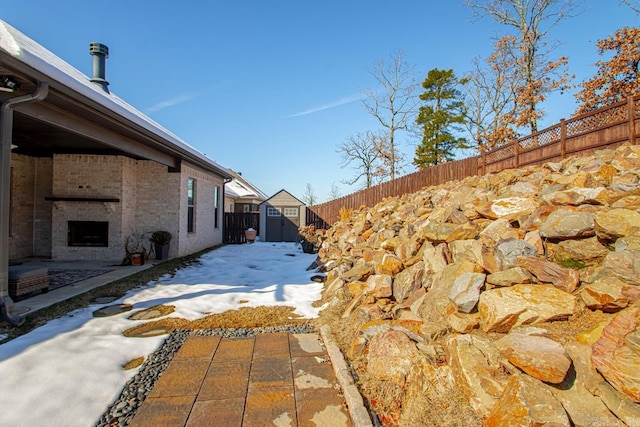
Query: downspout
(6, 136)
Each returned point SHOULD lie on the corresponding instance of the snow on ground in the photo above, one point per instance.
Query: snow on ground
(68, 371)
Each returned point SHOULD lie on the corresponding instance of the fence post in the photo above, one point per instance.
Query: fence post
(563, 139)
(484, 162)
(631, 108)
(517, 152)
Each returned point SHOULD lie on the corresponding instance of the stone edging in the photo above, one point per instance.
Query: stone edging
(355, 404)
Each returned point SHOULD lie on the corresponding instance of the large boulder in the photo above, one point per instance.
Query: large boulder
(609, 294)
(562, 278)
(568, 224)
(538, 356)
(527, 402)
(503, 308)
(615, 223)
(466, 290)
(507, 252)
(392, 355)
(616, 355)
(477, 370)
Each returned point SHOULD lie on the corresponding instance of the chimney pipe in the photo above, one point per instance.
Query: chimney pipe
(100, 53)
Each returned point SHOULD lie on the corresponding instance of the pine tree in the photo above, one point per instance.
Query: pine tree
(439, 119)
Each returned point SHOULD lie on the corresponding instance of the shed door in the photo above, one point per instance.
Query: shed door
(282, 223)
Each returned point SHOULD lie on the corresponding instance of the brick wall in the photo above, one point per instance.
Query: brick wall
(205, 234)
(90, 176)
(151, 198)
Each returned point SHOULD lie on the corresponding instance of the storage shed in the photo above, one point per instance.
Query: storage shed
(280, 217)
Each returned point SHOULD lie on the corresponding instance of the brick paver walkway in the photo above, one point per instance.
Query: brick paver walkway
(271, 379)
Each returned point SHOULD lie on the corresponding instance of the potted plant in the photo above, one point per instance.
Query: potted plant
(161, 240)
(250, 234)
(137, 247)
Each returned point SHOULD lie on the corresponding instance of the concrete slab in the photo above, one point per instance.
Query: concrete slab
(270, 406)
(217, 413)
(164, 411)
(181, 378)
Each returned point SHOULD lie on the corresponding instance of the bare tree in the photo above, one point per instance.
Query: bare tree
(334, 191)
(309, 196)
(489, 101)
(633, 4)
(362, 150)
(534, 74)
(395, 105)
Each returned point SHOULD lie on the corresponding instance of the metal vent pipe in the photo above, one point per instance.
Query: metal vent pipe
(100, 53)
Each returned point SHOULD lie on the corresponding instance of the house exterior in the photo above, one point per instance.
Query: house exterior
(241, 195)
(281, 216)
(86, 169)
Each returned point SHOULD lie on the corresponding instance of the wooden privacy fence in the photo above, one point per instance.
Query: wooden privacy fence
(581, 135)
(325, 214)
(236, 223)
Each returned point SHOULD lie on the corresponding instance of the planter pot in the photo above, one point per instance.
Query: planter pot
(162, 251)
(250, 235)
(136, 259)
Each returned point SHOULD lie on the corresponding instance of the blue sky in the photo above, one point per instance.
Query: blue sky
(270, 88)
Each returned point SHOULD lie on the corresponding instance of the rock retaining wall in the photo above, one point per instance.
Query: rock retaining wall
(512, 297)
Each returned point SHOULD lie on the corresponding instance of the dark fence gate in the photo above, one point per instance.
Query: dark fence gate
(235, 224)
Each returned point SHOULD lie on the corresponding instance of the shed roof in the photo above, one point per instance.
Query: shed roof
(287, 194)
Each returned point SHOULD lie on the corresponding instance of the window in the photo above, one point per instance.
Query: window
(271, 211)
(291, 212)
(191, 205)
(216, 202)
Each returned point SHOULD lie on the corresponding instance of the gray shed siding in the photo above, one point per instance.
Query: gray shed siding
(277, 220)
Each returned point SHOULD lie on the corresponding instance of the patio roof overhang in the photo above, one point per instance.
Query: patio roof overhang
(71, 122)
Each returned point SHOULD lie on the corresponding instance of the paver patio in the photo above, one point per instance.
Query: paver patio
(271, 379)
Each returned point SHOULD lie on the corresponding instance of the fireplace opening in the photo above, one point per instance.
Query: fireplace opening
(88, 233)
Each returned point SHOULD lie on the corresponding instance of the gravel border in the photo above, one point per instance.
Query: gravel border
(135, 391)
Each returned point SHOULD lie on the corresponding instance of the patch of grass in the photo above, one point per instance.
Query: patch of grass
(245, 317)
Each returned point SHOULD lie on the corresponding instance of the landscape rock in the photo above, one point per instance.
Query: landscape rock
(500, 229)
(577, 196)
(624, 265)
(615, 223)
(503, 308)
(466, 291)
(568, 224)
(545, 271)
(582, 406)
(616, 355)
(391, 356)
(510, 277)
(507, 252)
(465, 261)
(609, 294)
(477, 370)
(408, 281)
(587, 251)
(540, 357)
(526, 402)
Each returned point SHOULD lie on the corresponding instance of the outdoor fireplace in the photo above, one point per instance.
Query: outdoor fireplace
(88, 233)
